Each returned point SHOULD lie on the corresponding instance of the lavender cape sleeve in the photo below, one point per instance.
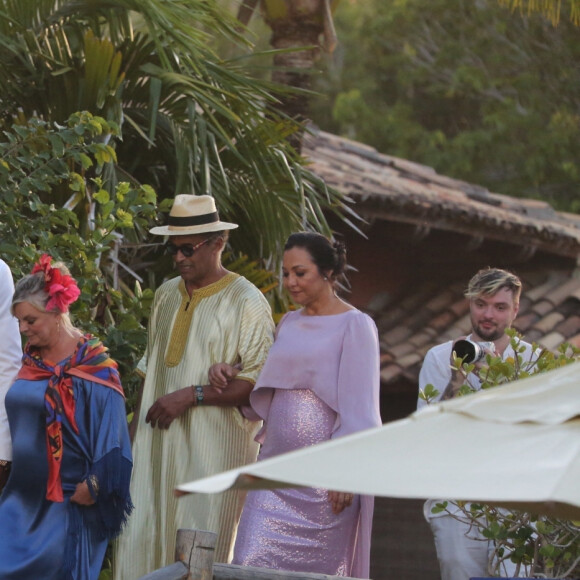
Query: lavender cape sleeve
(359, 377)
(358, 402)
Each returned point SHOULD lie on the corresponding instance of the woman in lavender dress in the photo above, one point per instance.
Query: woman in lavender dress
(320, 381)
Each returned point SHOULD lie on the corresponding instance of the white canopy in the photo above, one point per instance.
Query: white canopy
(516, 446)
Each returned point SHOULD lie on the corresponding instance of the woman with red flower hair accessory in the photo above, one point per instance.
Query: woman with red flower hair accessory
(68, 490)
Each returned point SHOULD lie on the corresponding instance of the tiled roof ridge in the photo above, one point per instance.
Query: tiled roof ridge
(403, 190)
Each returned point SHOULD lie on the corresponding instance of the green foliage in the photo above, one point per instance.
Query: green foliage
(262, 278)
(498, 371)
(538, 546)
(53, 201)
(161, 107)
(472, 89)
(190, 121)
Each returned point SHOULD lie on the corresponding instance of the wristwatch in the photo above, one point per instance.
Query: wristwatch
(198, 394)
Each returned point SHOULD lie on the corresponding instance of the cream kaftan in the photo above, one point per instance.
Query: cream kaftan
(228, 321)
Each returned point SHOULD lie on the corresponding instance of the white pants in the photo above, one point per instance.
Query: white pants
(463, 553)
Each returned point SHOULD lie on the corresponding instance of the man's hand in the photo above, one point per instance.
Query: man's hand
(456, 382)
(457, 376)
(169, 407)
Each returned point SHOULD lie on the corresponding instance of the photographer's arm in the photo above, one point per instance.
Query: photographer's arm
(452, 388)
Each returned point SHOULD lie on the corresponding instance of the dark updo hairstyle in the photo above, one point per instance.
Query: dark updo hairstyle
(327, 255)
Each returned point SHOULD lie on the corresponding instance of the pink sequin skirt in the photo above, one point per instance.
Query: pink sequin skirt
(295, 529)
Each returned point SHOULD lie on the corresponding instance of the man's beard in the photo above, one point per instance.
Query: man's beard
(488, 335)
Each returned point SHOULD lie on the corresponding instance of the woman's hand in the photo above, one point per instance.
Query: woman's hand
(82, 495)
(4, 473)
(339, 500)
(221, 374)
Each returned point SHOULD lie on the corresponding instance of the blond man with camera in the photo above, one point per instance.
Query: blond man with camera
(494, 296)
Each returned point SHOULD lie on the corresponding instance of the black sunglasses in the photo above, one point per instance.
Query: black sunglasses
(186, 249)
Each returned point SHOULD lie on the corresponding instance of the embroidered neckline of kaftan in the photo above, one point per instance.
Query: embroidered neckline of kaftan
(182, 322)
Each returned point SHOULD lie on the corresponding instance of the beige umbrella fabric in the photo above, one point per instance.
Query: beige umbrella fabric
(516, 446)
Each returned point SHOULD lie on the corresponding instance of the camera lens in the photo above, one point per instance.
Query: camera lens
(469, 351)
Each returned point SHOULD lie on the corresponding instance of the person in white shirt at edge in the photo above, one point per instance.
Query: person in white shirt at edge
(494, 296)
(10, 362)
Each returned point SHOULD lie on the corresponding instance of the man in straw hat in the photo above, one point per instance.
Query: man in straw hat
(185, 429)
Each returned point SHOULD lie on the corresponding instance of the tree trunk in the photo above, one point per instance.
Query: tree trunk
(295, 24)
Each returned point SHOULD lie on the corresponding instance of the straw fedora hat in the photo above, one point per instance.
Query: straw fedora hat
(192, 214)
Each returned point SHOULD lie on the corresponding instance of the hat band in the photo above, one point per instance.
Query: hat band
(206, 218)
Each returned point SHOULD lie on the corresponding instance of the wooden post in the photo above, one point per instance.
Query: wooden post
(194, 555)
(176, 571)
(196, 549)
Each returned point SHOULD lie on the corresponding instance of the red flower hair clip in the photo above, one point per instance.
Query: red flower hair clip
(61, 288)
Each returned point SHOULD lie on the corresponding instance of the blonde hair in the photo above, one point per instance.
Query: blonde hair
(31, 289)
(489, 281)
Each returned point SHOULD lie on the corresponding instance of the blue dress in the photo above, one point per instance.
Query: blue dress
(63, 540)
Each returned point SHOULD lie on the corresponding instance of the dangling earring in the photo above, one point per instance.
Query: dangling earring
(326, 277)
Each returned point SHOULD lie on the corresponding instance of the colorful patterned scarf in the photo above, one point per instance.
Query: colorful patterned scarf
(90, 362)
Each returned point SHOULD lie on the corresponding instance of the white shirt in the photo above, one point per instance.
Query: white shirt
(10, 354)
(436, 370)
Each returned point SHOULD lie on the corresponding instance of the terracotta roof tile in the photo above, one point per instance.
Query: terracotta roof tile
(525, 322)
(390, 373)
(569, 327)
(548, 322)
(390, 318)
(396, 335)
(534, 336)
(440, 301)
(525, 303)
(460, 308)
(558, 295)
(419, 319)
(551, 341)
(442, 321)
(400, 350)
(575, 294)
(461, 325)
(424, 337)
(410, 360)
(552, 281)
(543, 307)
(570, 306)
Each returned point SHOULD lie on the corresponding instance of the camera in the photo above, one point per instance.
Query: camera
(471, 352)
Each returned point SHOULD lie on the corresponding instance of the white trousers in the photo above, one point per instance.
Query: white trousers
(463, 553)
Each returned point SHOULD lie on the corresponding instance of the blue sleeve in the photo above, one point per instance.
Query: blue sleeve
(103, 426)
